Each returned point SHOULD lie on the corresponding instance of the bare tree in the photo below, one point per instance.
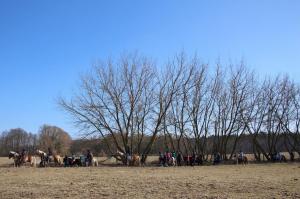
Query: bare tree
(289, 117)
(169, 84)
(200, 107)
(178, 117)
(126, 100)
(230, 101)
(54, 138)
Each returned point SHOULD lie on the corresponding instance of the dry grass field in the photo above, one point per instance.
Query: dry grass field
(278, 180)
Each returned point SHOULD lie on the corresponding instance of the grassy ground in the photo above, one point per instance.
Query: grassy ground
(279, 180)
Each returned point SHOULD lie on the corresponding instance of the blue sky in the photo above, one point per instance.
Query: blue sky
(46, 45)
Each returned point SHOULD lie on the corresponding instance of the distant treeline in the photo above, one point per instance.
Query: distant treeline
(245, 144)
(48, 137)
(60, 142)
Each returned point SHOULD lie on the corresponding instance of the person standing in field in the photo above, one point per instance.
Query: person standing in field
(174, 155)
(161, 158)
(50, 153)
(217, 158)
(66, 161)
(89, 158)
(193, 161)
(179, 159)
(128, 155)
(168, 157)
(241, 155)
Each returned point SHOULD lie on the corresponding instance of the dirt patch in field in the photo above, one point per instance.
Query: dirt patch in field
(224, 181)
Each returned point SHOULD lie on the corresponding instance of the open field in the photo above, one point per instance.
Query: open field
(278, 180)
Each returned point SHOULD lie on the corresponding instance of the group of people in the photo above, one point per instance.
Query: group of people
(47, 158)
(176, 158)
(278, 157)
(240, 157)
(50, 158)
(83, 160)
(128, 158)
(167, 158)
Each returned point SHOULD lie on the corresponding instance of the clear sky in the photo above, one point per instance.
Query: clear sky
(46, 45)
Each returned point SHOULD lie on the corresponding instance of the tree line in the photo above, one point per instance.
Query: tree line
(56, 139)
(51, 137)
(245, 144)
(195, 107)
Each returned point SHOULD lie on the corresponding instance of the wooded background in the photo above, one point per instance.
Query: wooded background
(132, 104)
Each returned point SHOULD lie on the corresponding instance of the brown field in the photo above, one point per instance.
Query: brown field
(280, 180)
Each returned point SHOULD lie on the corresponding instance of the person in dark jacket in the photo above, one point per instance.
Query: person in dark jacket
(50, 153)
(179, 159)
(89, 158)
(22, 156)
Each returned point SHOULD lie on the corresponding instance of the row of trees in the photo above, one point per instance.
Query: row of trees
(48, 137)
(18, 139)
(98, 147)
(133, 103)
